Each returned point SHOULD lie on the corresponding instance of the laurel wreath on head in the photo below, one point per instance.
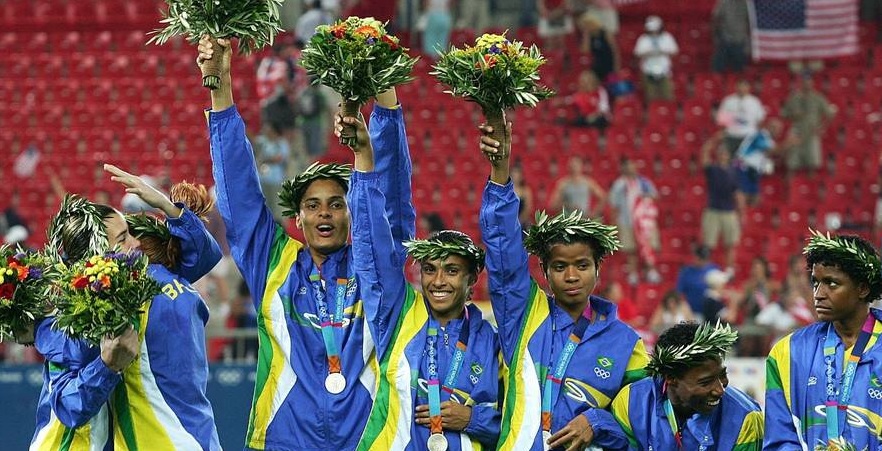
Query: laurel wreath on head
(709, 342)
(846, 249)
(443, 244)
(72, 207)
(293, 189)
(569, 227)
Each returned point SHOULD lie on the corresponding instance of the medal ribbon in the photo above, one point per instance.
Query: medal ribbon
(834, 404)
(326, 322)
(672, 421)
(555, 374)
(462, 343)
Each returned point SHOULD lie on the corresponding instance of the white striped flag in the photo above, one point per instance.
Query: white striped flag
(795, 29)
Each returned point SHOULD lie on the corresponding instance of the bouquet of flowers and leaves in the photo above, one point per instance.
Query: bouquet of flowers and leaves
(358, 59)
(27, 280)
(838, 445)
(103, 295)
(497, 74)
(254, 22)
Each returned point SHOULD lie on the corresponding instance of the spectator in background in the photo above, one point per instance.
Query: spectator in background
(672, 310)
(809, 111)
(242, 316)
(740, 113)
(788, 313)
(756, 294)
(591, 102)
(633, 197)
(276, 72)
(310, 19)
(691, 279)
(655, 48)
(797, 280)
(439, 21)
(273, 152)
(12, 227)
(605, 12)
(627, 310)
(752, 158)
(473, 15)
(312, 119)
(601, 44)
(525, 194)
(731, 25)
(721, 216)
(555, 22)
(575, 190)
(716, 297)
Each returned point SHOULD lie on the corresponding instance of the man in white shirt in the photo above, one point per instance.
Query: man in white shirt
(655, 48)
(740, 113)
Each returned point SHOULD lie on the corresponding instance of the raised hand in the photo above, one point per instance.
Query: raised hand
(139, 187)
(364, 153)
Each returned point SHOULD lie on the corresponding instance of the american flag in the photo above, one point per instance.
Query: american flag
(794, 29)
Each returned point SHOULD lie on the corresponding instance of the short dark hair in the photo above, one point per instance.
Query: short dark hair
(679, 335)
(853, 268)
(598, 251)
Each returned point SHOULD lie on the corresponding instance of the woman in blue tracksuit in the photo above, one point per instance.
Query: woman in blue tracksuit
(824, 381)
(687, 404)
(93, 396)
(316, 370)
(567, 355)
(438, 356)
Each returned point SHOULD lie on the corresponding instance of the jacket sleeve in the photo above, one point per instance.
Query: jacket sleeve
(636, 368)
(486, 416)
(750, 438)
(199, 250)
(80, 383)
(392, 162)
(249, 222)
(780, 432)
(507, 272)
(380, 273)
(608, 433)
(620, 410)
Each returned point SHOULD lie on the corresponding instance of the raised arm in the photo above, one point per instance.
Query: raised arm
(82, 377)
(251, 230)
(393, 164)
(379, 269)
(507, 271)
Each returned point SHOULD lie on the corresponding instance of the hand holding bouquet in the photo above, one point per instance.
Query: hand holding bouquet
(497, 74)
(254, 22)
(103, 295)
(358, 59)
(26, 283)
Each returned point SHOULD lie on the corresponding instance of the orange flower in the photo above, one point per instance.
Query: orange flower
(489, 61)
(80, 282)
(105, 281)
(22, 270)
(392, 42)
(338, 31)
(367, 30)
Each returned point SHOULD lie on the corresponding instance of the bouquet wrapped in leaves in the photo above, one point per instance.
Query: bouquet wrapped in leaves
(497, 74)
(254, 22)
(103, 295)
(27, 280)
(358, 59)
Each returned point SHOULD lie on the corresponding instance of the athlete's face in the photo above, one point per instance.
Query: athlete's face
(324, 216)
(837, 296)
(118, 233)
(700, 389)
(446, 285)
(571, 273)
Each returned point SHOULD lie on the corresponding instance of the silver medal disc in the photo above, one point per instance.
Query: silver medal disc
(437, 442)
(335, 383)
(546, 436)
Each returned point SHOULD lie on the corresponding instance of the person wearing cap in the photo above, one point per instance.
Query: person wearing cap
(655, 48)
(809, 113)
(566, 354)
(316, 369)
(687, 402)
(439, 358)
(824, 381)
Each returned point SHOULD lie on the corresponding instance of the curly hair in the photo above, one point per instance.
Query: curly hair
(854, 268)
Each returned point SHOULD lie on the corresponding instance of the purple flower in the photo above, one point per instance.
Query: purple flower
(494, 49)
(96, 285)
(20, 256)
(371, 40)
(35, 272)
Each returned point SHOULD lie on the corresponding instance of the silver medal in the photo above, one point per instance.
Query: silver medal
(437, 442)
(546, 436)
(335, 383)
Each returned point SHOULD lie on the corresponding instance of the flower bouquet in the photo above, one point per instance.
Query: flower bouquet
(838, 445)
(497, 74)
(26, 283)
(103, 295)
(254, 22)
(358, 59)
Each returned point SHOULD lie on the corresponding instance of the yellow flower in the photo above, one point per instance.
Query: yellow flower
(488, 39)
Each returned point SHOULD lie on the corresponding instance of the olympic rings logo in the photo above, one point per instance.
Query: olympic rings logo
(601, 373)
(875, 393)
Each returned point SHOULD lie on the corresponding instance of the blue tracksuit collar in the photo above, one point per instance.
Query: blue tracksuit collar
(867, 356)
(335, 265)
(602, 310)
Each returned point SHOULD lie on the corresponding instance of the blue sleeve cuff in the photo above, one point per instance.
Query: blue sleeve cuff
(499, 190)
(391, 113)
(187, 217)
(364, 177)
(223, 114)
